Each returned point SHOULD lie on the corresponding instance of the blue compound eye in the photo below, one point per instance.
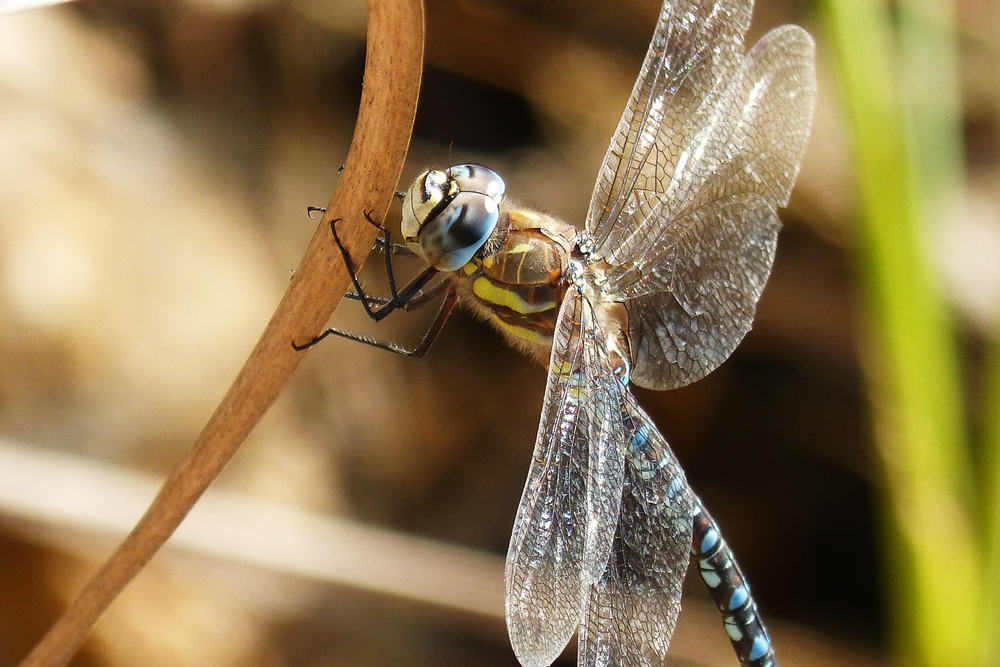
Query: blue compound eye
(451, 239)
(473, 178)
(449, 215)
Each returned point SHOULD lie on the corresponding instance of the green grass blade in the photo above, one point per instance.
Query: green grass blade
(991, 615)
(936, 582)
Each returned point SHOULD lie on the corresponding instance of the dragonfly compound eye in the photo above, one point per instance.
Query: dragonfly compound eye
(449, 215)
(451, 239)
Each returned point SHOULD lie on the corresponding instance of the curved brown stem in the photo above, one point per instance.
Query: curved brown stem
(369, 179)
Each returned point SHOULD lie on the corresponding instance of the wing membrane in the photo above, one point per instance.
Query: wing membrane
(603, 532)
(677, 247)
(694, 47)
(570, 506)
(632, 609)
(775, 92)
(683, 219)
(693, 306)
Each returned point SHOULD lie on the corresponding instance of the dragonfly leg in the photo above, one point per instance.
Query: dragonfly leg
(421, 298)
(399, 296)
(410, 297)
(730, 591)
(447, 305)
(384, 244)
(381, 244)
(388, 249)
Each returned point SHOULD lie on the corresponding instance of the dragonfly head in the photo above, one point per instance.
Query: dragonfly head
(448, 215)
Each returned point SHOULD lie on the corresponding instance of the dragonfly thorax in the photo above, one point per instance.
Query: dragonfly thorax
(448, 215)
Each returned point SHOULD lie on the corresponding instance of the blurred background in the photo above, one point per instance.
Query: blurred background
(156, 162)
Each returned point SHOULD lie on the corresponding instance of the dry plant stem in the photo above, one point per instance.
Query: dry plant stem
(370, 176)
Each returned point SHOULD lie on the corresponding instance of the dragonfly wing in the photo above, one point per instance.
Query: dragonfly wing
(570, 506)
(711, 277)
(770, 103)
(694, 48)
(632, 609)
(692, 287)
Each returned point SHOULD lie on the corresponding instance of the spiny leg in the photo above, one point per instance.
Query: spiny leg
(384, 245)
(730, 591)
(381, 244)
(447, 305)
(419, 299)
(410, 297)
(399, 297)
(387, 245)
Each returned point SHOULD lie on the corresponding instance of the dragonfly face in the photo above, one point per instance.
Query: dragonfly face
(448, 215)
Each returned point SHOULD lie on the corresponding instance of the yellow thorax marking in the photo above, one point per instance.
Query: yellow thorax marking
(524, 334)
(492, 293)
(500, 259)
(519, 249)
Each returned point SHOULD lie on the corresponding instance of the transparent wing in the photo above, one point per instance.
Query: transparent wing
(571, 502)
(658, 146)
(692, 259)
(632, 609)
(693, 307)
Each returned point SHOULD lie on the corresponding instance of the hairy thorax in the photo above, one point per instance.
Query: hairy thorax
(518, 281)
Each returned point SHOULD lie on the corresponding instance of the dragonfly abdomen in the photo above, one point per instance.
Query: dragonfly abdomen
(731, 593)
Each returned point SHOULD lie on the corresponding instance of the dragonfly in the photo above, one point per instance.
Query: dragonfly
(656, 290)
